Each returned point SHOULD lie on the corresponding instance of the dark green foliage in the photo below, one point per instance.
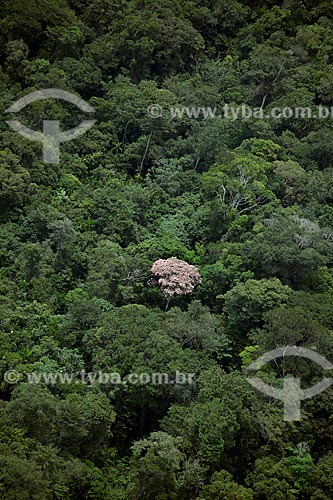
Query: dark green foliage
(248, 202)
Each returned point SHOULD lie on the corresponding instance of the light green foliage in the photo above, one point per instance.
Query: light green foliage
(248, 355)
(240, 186)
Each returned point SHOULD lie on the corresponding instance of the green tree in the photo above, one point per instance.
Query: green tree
(156, 461)
(222, 486)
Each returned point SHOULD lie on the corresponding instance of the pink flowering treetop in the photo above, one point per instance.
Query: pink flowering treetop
(174, 277)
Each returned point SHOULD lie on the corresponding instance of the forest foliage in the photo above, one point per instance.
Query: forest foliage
(246, 205)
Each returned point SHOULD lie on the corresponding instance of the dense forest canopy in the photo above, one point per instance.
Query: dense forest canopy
(165, 243)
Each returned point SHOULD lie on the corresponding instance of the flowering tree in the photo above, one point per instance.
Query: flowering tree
(174, 277)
